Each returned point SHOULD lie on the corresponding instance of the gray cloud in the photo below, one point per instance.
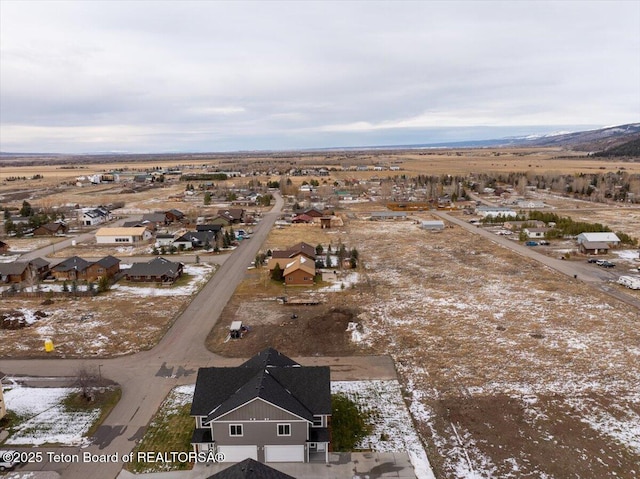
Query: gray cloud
(151, 76)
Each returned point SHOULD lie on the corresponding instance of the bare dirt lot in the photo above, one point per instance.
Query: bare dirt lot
(510, 369)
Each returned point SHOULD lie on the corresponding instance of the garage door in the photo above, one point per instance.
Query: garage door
(238, 453)
(284, 453)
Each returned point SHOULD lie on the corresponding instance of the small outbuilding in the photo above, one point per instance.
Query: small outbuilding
(432, 225)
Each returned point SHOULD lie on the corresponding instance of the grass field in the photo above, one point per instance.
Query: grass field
(169, 431)
(510, 369)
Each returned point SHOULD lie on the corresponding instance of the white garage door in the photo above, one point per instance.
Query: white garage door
(238, 453)
(284, 453)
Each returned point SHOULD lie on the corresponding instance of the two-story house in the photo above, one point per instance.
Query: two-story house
(270, 409)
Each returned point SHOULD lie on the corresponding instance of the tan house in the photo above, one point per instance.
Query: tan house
(300, 272)
(78, 269)
(20, 271)
(108, 266)
(283, 257)
(123, 235)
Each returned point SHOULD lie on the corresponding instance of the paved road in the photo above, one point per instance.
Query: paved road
(591, 274)
(147, 377)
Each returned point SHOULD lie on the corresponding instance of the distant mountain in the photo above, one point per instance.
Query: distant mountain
(602, 139)
(630, 148)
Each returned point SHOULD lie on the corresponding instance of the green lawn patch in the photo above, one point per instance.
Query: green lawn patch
(169, 431)
(104, 399)
(348, 423)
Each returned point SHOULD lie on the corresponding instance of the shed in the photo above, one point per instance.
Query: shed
(432, 225)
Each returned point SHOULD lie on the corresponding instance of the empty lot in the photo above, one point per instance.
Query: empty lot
(509, 368)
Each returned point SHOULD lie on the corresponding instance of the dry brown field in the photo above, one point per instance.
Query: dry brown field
(124, 320)
(509, 368)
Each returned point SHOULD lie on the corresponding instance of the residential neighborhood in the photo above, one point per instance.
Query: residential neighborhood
(215, 317)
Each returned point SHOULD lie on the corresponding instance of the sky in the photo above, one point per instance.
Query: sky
(151, 76)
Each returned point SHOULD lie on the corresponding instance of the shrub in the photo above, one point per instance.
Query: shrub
(348, 424)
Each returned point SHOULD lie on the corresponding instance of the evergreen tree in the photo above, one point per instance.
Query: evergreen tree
(277, 273)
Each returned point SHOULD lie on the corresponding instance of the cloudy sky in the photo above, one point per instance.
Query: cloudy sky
(90, 76)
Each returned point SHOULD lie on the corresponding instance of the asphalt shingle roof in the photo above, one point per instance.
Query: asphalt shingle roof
(73, 263)
(250, 469)
(302, 390)
(156, 267)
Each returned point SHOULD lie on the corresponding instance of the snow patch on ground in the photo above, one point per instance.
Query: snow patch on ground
(393, 428)
(47, 421)
(627, 254)
(198, 272)
(343, 282)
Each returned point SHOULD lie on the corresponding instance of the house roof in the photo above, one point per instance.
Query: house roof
(269, 358)
(303, 217)
(108, 261)
(250, 469)
(53, 226)
(270, 376)
(74, 263)
(265, 386)
(300, 262)
(154, 217)
(135, 231)
(304, 248)
(94, 213)
(233, 213)
(17, 267)
(39, 262)
(600, 236)
(156, 267)
(197, 236)
(213, 228)
(176, 213)
(132, 224)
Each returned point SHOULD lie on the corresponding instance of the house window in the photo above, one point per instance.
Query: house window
(235, 430)
(284, 429)
(317, 421)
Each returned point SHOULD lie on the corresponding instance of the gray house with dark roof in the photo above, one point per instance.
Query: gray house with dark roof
(196, 239)
(270, 409)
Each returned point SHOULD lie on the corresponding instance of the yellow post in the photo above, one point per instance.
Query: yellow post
(48, 345)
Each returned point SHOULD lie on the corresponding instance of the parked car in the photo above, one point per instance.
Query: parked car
(605, 264)
(593, 260)
(544, 243)
(8, 460)
(531, 243)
